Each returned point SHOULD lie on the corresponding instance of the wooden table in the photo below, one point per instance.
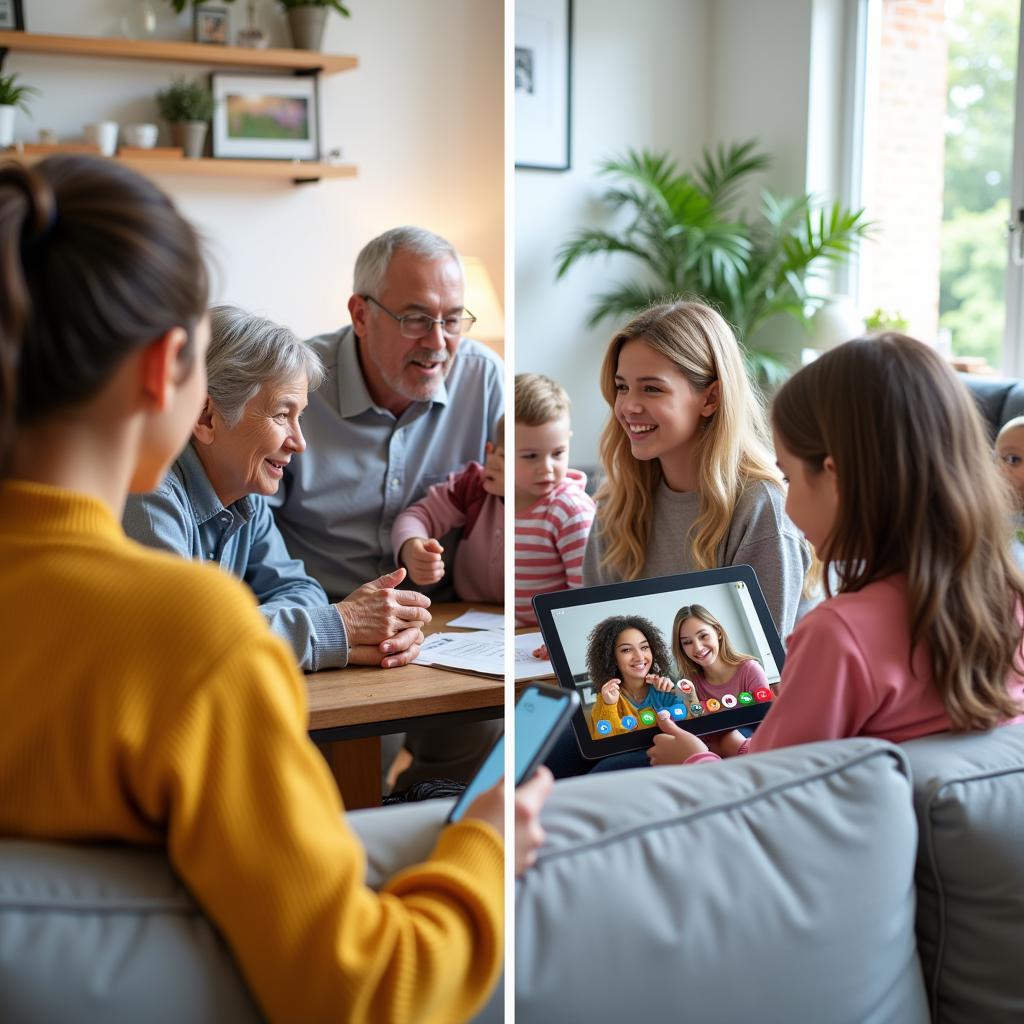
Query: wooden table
(351, 708)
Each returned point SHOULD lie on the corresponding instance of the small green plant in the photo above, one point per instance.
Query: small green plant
(335, 5)
(881, 321)
(180, 5)
(14, 95)
(185, 101)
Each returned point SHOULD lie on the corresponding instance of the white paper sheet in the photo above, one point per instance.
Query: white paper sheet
(526, 665)
(482, 653)
(479, 620)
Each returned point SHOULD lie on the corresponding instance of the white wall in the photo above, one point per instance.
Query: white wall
(425, 130)
(640, 77)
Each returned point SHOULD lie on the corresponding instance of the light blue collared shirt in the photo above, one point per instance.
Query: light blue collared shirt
(364, 465)
(185, 516)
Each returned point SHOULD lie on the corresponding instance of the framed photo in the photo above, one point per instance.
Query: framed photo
(11, 15)
(265, 117)
(543, 83)
(211, 25)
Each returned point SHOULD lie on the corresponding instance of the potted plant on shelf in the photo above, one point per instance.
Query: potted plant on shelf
(307, 19)
(12, 96)
(685, 231)
(188, 107)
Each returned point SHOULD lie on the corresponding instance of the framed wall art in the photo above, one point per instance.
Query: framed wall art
(543, 84)
(265, 117)
(12, 17)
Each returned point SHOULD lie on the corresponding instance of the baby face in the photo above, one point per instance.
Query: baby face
(542, 459)
(1010, 449)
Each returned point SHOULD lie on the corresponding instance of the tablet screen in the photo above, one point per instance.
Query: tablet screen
(700, 645)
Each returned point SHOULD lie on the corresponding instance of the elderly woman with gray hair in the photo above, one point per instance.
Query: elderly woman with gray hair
(212, 504)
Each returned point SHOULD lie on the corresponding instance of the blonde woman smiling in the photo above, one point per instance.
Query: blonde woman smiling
(689, 479)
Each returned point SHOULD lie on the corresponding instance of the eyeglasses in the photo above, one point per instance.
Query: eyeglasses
(416, 326)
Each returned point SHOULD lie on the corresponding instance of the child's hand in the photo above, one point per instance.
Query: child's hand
(725, 744)
(610, 691)
(423, 560)
(673, 745)
(661, 683)
(494, 470)
(541, 653)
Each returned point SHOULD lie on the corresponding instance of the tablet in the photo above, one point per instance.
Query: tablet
(701, 644)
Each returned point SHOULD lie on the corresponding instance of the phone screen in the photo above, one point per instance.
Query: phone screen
(539, 713)
(486, 776)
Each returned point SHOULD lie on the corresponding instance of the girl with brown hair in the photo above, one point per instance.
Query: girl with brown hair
(706, 657)
(924, 633)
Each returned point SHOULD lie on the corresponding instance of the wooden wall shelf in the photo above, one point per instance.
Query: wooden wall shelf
(267, 170)
(172, 51)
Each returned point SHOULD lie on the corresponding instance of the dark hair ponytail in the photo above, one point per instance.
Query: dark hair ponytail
(95, 262)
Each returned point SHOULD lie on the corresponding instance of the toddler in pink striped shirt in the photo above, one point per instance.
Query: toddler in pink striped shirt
(553, 509)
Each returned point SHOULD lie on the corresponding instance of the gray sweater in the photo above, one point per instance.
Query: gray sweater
(761, 536)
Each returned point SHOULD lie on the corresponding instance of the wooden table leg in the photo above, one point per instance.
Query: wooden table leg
(356, 767)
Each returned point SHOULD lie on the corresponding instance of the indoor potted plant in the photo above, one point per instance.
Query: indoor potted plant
(691, 236)
(307, 18)
(12, 96)
(188, 107)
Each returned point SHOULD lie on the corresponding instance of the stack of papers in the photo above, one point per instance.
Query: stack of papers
(481, 653)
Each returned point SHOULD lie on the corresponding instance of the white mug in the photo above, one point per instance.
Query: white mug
(104, 135)
(141, 136)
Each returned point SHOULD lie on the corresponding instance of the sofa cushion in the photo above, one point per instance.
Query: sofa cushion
(774, 887)
(998, 400)
(108, 934)
(969, 795)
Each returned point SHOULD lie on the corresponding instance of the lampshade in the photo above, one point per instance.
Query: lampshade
(482, 302)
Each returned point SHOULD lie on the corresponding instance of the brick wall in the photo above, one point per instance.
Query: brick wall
(903, 174)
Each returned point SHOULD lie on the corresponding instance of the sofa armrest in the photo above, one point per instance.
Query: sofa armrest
(773, 887)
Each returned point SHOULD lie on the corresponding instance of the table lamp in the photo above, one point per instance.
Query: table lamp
(482, 302)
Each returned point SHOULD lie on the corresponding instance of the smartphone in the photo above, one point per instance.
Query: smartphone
(541, 711)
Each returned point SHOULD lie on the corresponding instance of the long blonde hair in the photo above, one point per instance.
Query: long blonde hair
(733, 447)
(727, 654)
(919, 494)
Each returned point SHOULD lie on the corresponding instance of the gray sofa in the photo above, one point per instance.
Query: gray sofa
(849, 881)
(108, 935)
(998, 399)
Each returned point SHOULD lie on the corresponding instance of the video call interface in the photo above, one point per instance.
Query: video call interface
(694, 652)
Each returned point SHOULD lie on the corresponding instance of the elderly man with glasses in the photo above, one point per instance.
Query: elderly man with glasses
(407, 399)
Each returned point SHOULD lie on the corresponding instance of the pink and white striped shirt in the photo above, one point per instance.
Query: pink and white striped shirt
(551, 536)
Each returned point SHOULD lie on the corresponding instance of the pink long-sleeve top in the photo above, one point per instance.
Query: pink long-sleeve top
(846, 674)
(479, 568)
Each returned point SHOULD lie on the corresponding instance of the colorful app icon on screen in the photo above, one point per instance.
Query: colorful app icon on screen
(686, 686)
(712, 705)
(678, 711)
(648, 717)
(629, 722)
(762, 693)
(746, 698)
(728, 700)
(603, 727)
(696, 708)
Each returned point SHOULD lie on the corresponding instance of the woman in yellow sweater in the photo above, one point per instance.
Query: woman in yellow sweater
(143, 697)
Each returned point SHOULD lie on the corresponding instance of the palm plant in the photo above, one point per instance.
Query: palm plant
(685, 229)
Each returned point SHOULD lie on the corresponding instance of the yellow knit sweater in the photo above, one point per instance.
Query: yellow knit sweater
(144, 699)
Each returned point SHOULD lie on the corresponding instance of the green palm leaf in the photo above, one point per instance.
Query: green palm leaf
(681, 233)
